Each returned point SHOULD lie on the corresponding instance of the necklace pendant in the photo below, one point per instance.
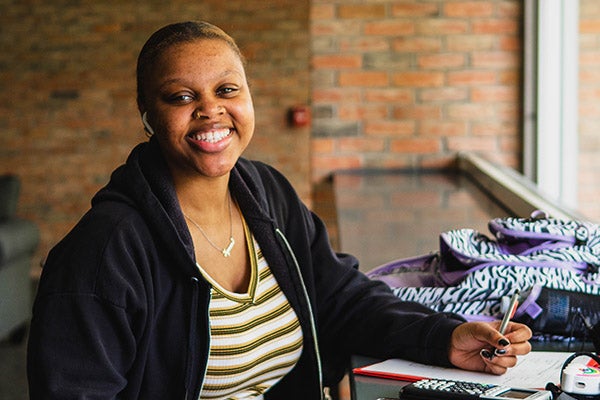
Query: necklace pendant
(227, 251)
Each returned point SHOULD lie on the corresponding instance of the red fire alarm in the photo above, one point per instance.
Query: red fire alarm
(299, 116)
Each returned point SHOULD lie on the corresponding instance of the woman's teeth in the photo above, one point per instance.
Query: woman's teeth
(212, 136)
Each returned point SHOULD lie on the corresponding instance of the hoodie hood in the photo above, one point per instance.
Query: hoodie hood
(145, 183)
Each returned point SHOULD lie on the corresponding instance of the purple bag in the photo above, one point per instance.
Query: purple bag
(471, 274)
(417, 271)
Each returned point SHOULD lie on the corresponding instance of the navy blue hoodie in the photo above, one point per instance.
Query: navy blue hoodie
(122, 310)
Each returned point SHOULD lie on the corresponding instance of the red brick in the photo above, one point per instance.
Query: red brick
(321, 11)
(442, 128)
(363, 78)
(511, 9)
(418, 78)
(589, 26)
(471, 111)
(442, 26)
(496, 26)
(417, 44)
(443, 94)
(361, 11)
(357, 112)
(415, 146)
(389, 128)
(495, 59)
(495, 128)
(469, 9)
(337, 61)
(389, 95)
(337, 162)
(511, 43)
(509, 77)
(476, 143)
(470, 42)
(412, 9)
(390, 28)
(361, 145)
(334, 28)
(322, 145)
(589, 58)
(472, 78)
(441, 61)
(336, 95)
(418, 112)
(364, 44)
(495, 94)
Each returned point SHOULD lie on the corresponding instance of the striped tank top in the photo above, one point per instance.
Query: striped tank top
(256, 338)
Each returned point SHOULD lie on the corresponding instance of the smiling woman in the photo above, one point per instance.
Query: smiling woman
(200, 274)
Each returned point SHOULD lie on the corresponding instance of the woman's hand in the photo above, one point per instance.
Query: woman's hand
(478, 346)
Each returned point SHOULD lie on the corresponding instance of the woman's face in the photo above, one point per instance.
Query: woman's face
(200, 108)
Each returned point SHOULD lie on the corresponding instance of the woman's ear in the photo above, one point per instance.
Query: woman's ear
(147, 126)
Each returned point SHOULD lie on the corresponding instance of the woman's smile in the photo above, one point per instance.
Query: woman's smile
(211, 140)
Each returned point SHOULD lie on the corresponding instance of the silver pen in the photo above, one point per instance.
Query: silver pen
(512, 307)
(510, 312)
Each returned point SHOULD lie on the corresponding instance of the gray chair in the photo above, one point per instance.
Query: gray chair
(19, 239)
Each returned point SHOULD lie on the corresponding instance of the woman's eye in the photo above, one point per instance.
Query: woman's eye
(226, 91)
(181, 98)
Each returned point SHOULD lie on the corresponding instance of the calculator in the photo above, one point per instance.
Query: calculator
(441, 389)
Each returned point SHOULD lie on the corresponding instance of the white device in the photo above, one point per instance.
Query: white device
(146, 124)
(579, 377)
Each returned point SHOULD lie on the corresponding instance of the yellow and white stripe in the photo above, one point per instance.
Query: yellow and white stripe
(255, 340)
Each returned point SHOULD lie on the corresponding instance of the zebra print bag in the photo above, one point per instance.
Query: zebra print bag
(527, 235)
(474, 275)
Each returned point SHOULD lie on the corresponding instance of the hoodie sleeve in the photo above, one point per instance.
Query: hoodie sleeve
(88, 313)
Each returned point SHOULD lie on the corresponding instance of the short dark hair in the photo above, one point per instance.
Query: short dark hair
(173, 34)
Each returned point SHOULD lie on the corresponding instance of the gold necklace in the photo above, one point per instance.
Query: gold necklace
(226, 251)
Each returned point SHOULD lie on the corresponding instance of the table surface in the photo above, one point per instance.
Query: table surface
(386, 215)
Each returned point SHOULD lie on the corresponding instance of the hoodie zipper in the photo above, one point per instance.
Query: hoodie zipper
(322, 390)
(191, 337)
(192, 340)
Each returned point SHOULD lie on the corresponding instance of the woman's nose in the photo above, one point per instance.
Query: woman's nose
(208, 109)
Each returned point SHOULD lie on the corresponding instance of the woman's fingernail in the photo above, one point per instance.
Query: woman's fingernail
(503, 342)
(500, 352)
(486, 354)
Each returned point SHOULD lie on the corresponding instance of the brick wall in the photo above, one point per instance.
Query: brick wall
(410, 83)
(67, 100)
(403, 83)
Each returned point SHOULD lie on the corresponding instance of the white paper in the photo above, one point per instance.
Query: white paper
(533, 370)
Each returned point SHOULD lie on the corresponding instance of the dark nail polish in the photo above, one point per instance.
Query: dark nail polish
(500, 351)
(503, 342)
(487, 354)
